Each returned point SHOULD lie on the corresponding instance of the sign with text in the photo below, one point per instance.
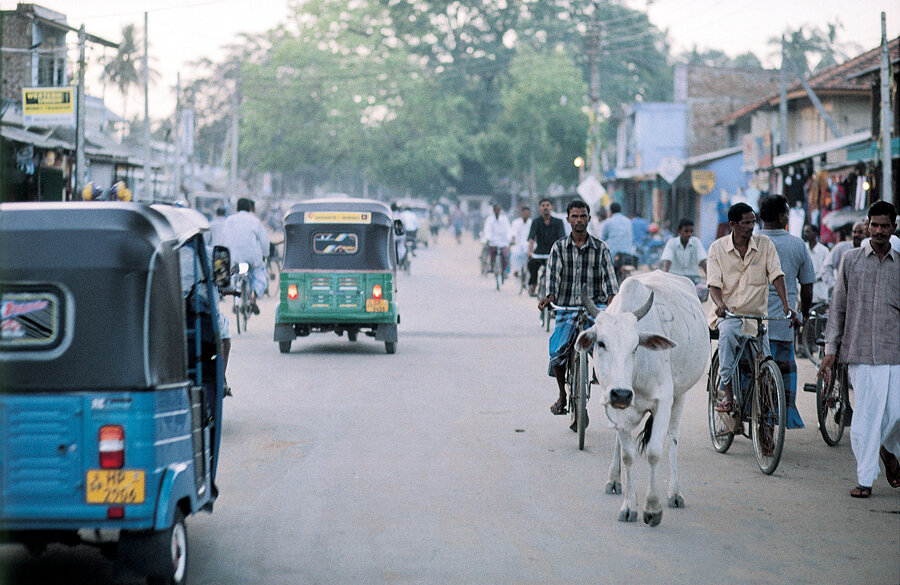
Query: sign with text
(703, 181)
(48, 106)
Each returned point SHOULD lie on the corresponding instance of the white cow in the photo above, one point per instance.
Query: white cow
(650, 346)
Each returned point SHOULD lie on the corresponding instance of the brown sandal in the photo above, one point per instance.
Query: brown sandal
(559, 407)
(891, 467)
(861, 491)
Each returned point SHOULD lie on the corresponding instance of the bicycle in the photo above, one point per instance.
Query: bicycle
(497, 268)
(812, 330)
(578, 376)
(241, 290)
(546, 312)
(485, 260)
(762, 403)
(834, 410)
(273, 268)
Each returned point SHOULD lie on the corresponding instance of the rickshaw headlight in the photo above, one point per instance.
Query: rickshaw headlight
(292, 292)
(376, 291)
(112, 446)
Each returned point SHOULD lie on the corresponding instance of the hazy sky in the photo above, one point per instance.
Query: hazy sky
(185, 30)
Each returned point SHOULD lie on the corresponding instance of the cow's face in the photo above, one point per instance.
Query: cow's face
(616, 341)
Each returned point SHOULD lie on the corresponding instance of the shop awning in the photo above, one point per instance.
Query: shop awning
(25, 137)
(821, 148)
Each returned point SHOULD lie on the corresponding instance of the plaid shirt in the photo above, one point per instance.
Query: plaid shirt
(570, 267)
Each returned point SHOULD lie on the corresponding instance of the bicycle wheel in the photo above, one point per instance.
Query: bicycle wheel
(720, 429)
(237, 312)
(832, 405)
(245, 305)
(768, 414)
(581, 390)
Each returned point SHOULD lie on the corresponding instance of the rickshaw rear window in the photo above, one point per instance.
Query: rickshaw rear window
(31, 317)
(335, 243)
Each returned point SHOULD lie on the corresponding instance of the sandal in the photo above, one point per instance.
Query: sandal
(724, 406)
(559, 407)
(891, 467)
(861, 491)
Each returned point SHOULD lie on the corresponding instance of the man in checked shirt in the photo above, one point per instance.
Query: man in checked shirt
(578, 259)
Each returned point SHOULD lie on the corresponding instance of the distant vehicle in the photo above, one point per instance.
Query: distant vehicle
(206, 202)
(112, 374)
(338, 272)
(422, 209)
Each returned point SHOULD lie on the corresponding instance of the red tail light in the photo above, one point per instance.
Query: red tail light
(376, 291)
(292, 291)
(112, 446)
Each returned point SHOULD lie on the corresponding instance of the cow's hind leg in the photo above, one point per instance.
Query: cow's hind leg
(675, 499)
(613, 482)
(628, 511)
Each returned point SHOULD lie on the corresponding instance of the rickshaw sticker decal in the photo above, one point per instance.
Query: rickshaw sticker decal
(337, 217)
(335, 243)
(29, 319)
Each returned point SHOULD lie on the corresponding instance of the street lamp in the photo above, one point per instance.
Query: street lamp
(579, 163)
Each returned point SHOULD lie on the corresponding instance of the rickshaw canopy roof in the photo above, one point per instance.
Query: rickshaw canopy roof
(381, 213)
(110, 273)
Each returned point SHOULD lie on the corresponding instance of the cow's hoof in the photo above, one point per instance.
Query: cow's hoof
(613, 488)
(627, 515)
(652, 518)
(676, 501)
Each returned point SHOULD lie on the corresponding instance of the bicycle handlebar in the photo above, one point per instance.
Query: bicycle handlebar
(730, 315)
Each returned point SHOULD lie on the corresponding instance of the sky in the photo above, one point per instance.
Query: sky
(182, 31)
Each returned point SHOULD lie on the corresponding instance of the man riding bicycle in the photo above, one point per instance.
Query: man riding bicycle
(740, 267)
(544, 232)
(247, 240)
(576, 261)
(498, 233)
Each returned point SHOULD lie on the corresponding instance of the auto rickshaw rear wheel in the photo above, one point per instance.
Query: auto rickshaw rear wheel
(284, 346)
(351, 334)
(176, 552)
(390, 346)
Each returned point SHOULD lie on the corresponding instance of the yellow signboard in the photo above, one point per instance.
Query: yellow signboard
(48, 106)
(703, 181)
(337, 217)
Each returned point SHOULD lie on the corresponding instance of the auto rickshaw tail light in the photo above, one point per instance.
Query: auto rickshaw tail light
(292, 292)
(112, 446)
(376, 291)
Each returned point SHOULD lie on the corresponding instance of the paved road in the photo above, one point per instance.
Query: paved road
(443, 464)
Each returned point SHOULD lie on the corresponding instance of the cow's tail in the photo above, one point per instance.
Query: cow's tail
(643, 437)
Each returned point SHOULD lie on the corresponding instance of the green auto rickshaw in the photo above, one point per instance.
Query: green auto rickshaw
(339, 272)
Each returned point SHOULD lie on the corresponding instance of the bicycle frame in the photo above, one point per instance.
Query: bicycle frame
(578, 376)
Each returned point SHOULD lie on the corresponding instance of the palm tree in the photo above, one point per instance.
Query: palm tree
(122, 68)
(810, 44)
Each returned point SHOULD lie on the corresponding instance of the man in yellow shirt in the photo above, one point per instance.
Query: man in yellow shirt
(740, 267)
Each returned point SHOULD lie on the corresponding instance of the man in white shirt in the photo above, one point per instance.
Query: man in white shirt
(498, 233)
(684, 254)
(833, 259)
(818, 252)
(521, 226)
(247, 241)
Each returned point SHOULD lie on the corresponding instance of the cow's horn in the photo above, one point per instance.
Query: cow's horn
(588, 303)
(639, 313)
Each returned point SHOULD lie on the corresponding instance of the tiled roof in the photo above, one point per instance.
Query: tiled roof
(839, 79)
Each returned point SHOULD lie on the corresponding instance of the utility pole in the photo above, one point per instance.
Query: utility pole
(148, 151)
(236, 101)
(886, 114)
(782, 105)
(178, 166)
(80, 170)
(595, 35)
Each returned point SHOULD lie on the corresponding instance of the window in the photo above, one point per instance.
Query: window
(30, 317)
(335, 243)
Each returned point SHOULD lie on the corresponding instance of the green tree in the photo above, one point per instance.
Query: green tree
(122, 68)
(542, 125)
(813, 49)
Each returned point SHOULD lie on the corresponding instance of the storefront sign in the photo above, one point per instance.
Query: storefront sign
(48, 106)
(703, 181)
(757, 151)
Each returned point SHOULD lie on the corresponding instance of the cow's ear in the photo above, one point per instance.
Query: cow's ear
(585, 339)
(655, 342)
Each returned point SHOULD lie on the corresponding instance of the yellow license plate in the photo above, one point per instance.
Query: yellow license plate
(376, 305)
(115, 486)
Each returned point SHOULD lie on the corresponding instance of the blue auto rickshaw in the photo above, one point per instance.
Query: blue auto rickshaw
(111, 379)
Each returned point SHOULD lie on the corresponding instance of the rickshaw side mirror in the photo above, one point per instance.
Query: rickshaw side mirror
(221, 266)
(398, 228)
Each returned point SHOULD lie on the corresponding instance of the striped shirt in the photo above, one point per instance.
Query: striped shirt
(570, 267)
(864, 318)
